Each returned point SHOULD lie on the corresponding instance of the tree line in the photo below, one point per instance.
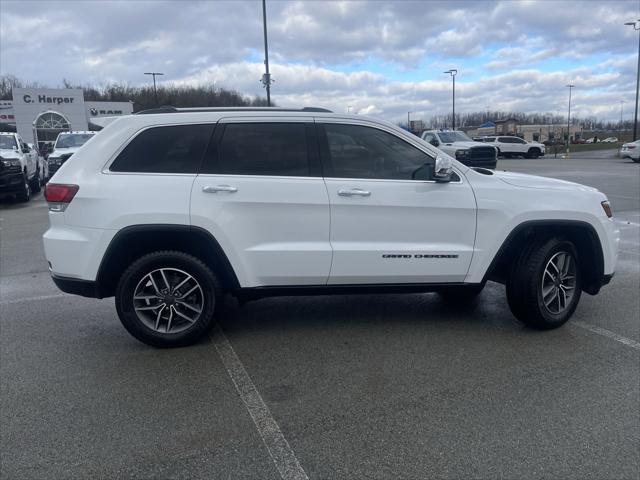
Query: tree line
(143, 97)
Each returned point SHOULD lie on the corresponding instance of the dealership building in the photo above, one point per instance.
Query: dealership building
(40, 114)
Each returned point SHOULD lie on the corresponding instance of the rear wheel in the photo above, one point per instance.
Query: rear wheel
(544, 285)
(167, 299)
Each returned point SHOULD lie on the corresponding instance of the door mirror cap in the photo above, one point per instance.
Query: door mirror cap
(444, 167)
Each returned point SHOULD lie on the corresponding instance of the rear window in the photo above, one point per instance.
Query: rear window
(170, 149)
(272, 149)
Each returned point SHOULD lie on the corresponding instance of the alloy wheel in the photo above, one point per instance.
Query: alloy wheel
(559, 282)
(168, 300)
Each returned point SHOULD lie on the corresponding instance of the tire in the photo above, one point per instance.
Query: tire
(35, 184)
(465, 294)
(159, 309)
(533, 153)
(24, 195)
(534, 296)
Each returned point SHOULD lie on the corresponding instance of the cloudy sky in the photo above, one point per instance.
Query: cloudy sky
(380, 58)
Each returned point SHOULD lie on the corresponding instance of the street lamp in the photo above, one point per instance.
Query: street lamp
(155, 91)
(569, 119)
(266, 77)
(409, 121)
(622, 102)
(636, 26)
(453, 72)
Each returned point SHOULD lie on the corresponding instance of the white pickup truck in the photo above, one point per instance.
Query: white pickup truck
(19, 169)
(460, 146)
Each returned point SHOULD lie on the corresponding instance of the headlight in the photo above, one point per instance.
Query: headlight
(461, 154)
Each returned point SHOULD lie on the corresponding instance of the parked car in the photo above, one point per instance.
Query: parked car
(19, 172)
(591, 140)
(610, 140)
(66, 145)
(514, 146)
(172, 210)
(458, 145)
(631, 150)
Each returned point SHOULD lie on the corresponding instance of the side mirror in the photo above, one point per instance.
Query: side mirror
(434, 142)
(444, 167)
(25, 150)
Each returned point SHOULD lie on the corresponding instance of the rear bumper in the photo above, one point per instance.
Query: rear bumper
(74, 286)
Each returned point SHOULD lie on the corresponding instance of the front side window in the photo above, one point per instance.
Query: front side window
(271, 149)
(504, 140)
(372, 153)
(168, 149)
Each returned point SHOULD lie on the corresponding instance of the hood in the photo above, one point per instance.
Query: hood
(533, 181)
(465, 144)
(58, 152)
(9, 153)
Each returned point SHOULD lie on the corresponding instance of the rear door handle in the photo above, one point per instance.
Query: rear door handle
(353, 192)
(219, 188)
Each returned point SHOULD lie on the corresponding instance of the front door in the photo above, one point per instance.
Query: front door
(261, 195)
(387, 227)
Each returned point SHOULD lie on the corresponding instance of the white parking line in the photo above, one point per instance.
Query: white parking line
(606, 333)
(277, 446)
(32, 299)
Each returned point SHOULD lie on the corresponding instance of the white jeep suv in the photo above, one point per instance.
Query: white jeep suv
(514, 146)
(168, 211)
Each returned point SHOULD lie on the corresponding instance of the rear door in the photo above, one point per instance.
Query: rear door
(261, 194)
(387, 227)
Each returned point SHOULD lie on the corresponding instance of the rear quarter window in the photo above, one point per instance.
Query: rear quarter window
(165, 149)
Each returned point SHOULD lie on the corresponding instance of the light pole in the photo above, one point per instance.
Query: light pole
(155, 91)
(636, 26)
(453, 72)
(409, 121)
(266, 77)
(620, 128)
(569, 119)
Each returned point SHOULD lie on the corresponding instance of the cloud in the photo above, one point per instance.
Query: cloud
(381, 57)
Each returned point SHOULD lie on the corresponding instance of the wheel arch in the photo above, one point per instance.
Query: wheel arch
(134, 241)
(582, 234)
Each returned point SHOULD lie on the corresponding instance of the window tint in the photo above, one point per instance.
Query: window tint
(518, 140)
(170, 149)
(372, 153)
(490, 139)
(264, 149)
(504, 140)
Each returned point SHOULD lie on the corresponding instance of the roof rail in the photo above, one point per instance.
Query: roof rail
(171, 109)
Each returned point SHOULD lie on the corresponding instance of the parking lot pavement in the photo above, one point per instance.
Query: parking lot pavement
(376, 386)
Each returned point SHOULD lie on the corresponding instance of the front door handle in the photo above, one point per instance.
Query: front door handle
(353, 192)
(219, 188)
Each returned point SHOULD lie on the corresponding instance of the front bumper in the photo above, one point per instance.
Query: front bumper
(11, 182)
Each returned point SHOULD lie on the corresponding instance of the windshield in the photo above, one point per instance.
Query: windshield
(73, 140)
(450, 137)
(7, 142)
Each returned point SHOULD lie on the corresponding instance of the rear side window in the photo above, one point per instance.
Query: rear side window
(170, 149)
(272, 149)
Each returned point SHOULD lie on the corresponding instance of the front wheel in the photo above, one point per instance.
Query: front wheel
(544, 286)
(533, 153)
(35, 184)
(167, 299)
(24, 194)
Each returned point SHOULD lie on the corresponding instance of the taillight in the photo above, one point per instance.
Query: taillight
(59, 195)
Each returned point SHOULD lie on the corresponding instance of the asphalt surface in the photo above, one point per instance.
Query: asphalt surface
(380, 386)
